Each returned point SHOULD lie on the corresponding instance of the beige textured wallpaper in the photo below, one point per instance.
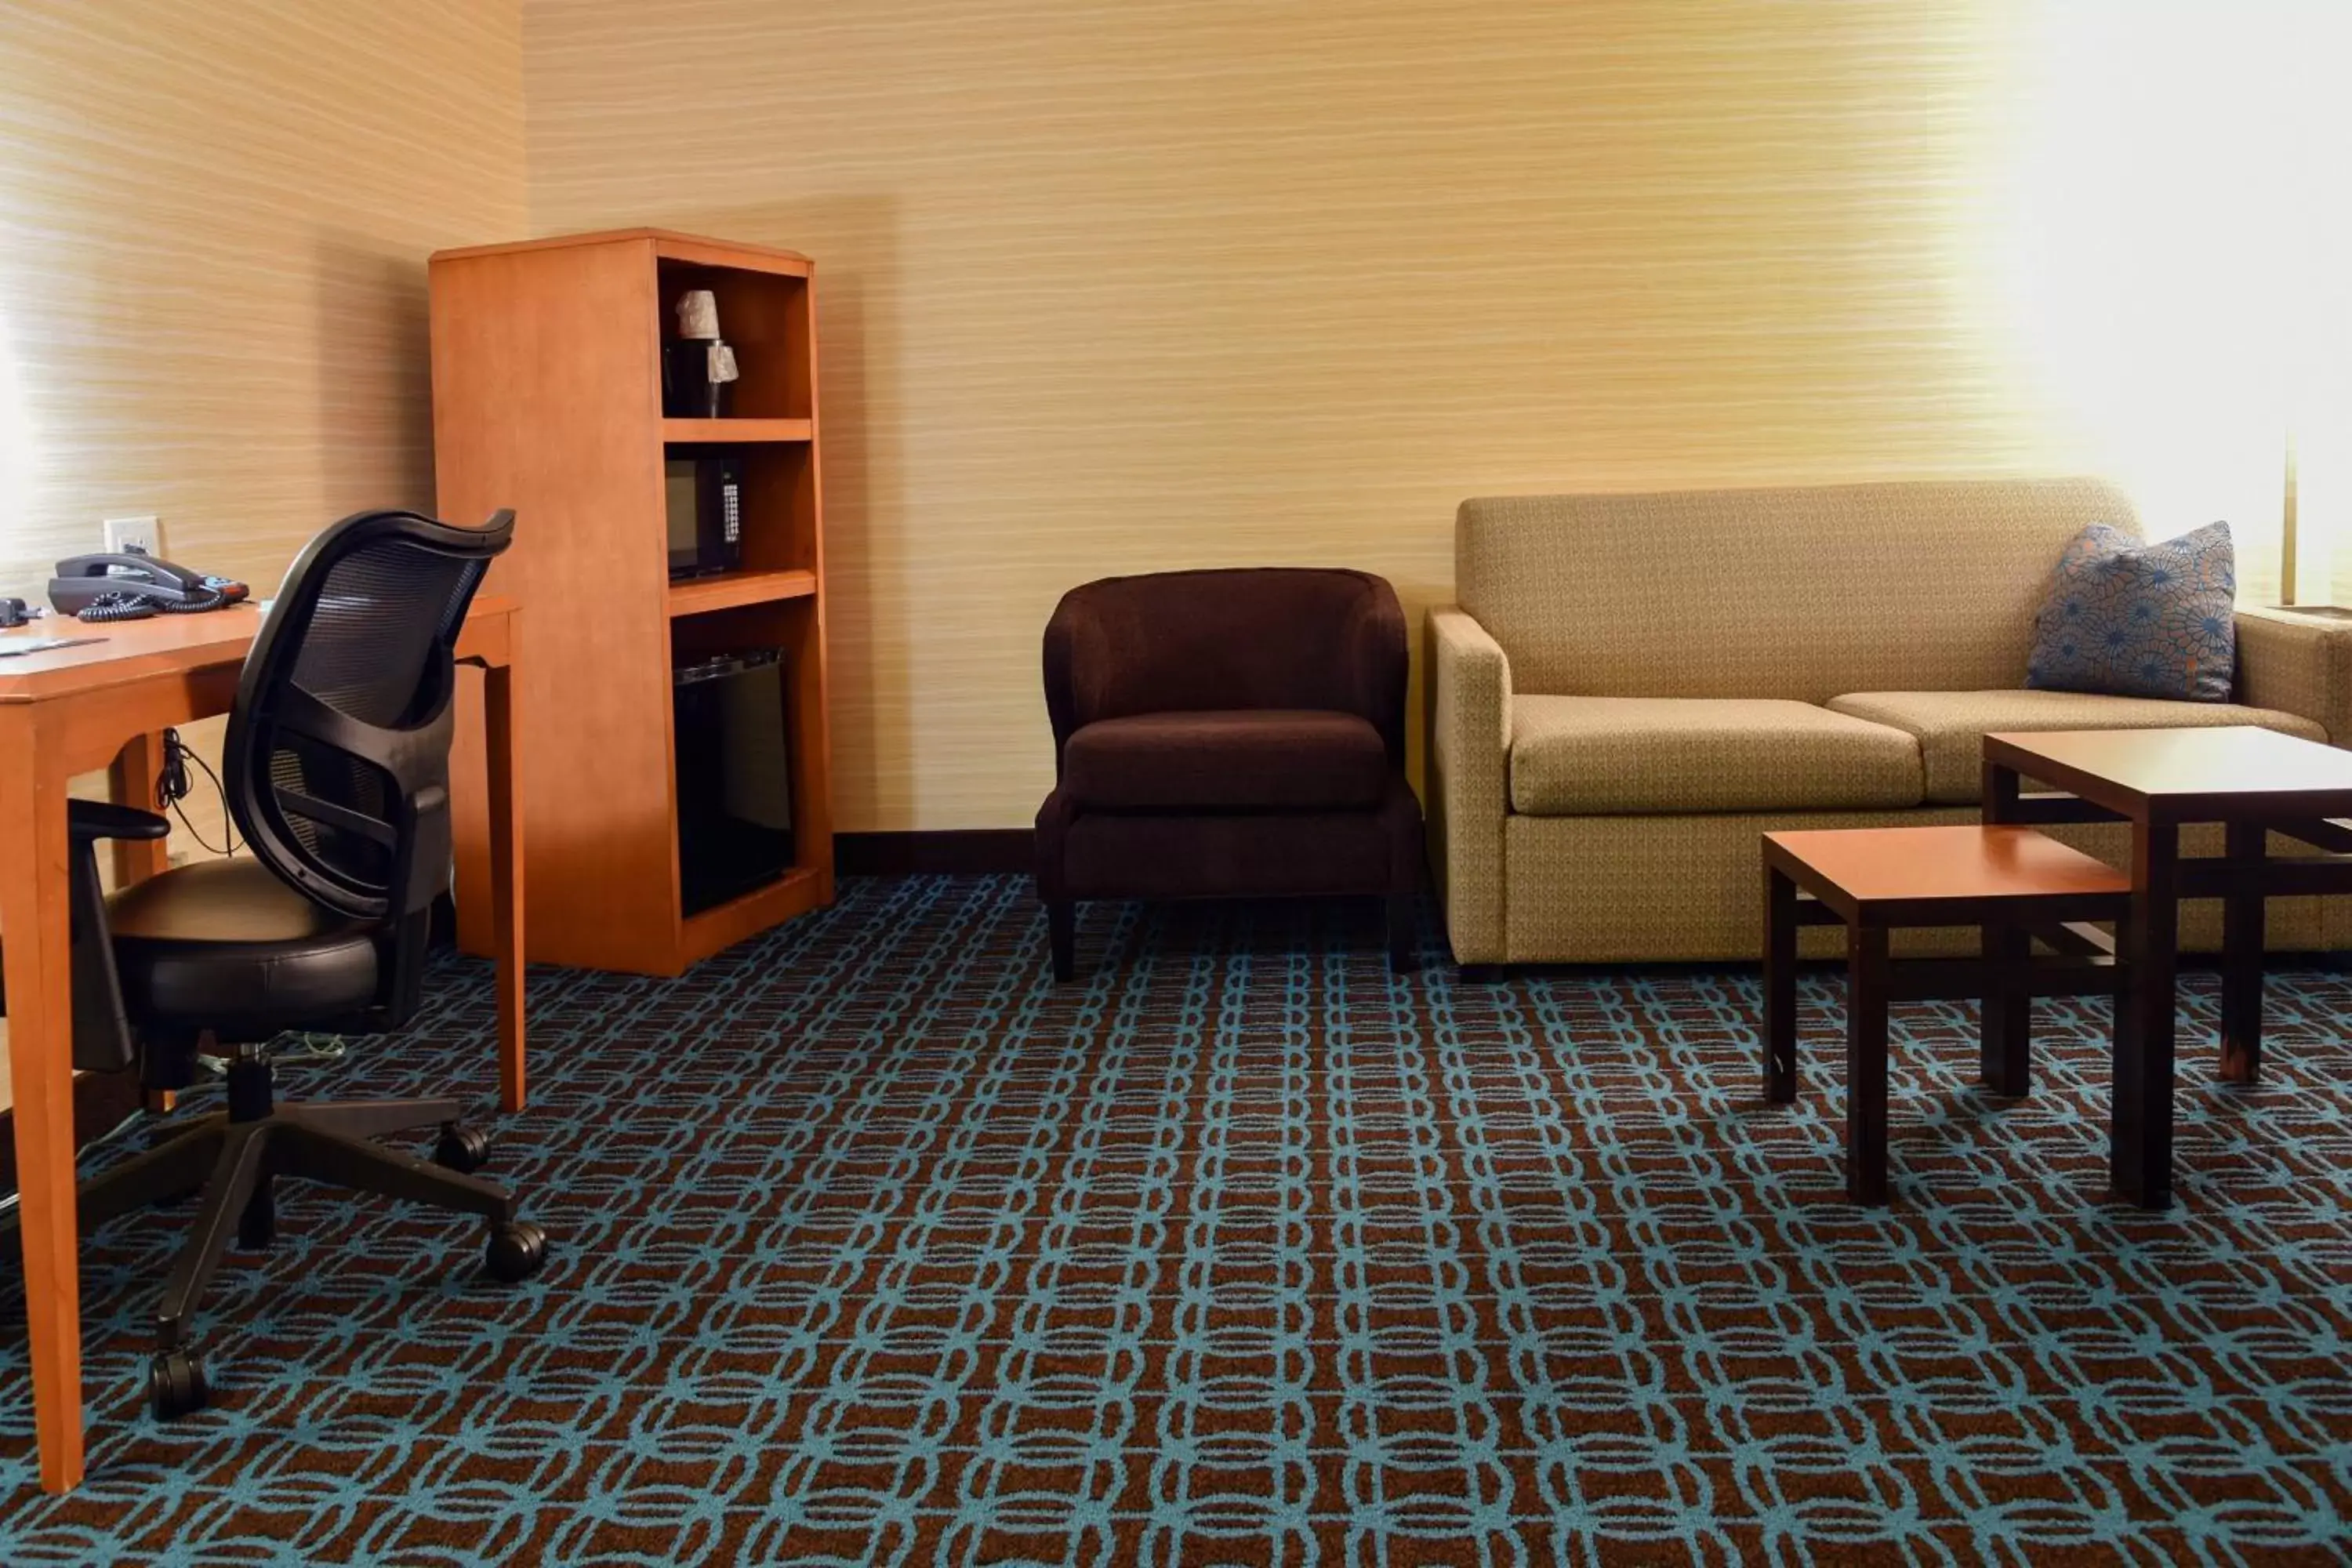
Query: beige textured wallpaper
(1116, 285)
(213, 221)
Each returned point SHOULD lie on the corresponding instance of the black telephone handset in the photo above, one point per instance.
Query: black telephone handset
(135, 585)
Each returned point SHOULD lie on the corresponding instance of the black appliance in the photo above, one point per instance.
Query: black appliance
(704, 494)
(734, 776)
(687, 390)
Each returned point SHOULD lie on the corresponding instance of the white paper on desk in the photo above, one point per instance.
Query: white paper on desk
(14, 648)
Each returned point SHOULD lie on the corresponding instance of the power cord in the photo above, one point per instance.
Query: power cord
(306, 1048)
(10, 1200)
(172, 786)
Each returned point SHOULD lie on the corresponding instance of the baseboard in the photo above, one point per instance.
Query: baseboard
(955, 852)
(100, 1101)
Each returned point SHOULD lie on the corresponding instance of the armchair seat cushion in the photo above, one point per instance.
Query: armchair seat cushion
(1227, 759)
(1579, 756)
(1951, 725)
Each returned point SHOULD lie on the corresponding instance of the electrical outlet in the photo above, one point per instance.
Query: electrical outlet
(128, 533)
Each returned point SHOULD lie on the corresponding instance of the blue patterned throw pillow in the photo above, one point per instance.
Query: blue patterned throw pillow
(2128, 619)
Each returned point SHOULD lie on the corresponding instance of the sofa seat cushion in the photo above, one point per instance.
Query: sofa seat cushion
(1578, 756)
(1227, 759)
(1951, 725)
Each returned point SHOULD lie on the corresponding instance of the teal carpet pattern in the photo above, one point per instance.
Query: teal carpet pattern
(874, 1245)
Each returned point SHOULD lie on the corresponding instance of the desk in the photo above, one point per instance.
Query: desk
(105, 705)
(2255, 783)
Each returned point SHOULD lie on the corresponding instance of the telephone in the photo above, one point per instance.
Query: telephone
(135, 585)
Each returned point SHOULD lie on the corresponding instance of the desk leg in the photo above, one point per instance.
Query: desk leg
(2241, 956)
(131, 782)
(2140, 1153)
(506, 875)
(34, 891)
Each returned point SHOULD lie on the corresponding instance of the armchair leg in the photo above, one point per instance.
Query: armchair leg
(1401, 908)
(1062, 931)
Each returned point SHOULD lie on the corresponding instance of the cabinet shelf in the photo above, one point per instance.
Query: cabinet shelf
(698, 595)
(720, 432)
(799, 890)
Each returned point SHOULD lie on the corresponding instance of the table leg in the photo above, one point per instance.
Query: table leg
(2140, 1152)
(1865, 1065)
(506, 875)
(2242, 955)
(2005, 1018)
(1998, 797)
(34, 912)
(1780, 987)
(131, 781)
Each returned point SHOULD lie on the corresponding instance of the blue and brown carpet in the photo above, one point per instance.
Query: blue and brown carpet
(873, 1246)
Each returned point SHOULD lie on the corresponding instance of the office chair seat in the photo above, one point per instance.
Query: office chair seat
(226, 945)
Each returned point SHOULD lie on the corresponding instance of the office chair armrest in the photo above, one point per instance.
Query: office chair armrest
(88, 820)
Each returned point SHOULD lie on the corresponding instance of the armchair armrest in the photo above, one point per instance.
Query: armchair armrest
(88, 821)
(1469, 763)
(2298, 664)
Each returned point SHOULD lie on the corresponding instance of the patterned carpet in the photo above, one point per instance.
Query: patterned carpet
(873, 1247)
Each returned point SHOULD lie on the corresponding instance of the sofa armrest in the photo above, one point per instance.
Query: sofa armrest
(1469, 766)
(2297, 663)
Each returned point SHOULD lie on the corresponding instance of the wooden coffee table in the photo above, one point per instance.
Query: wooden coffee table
(2013, 883)
(2256, 782)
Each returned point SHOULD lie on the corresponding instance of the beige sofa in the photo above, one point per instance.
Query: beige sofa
(1633, 686)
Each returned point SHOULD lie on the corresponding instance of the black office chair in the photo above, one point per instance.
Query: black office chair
(338, 777)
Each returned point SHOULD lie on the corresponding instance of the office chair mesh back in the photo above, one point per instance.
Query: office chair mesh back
(338, 753)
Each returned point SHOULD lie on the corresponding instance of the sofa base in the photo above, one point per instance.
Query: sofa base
(1617, 890)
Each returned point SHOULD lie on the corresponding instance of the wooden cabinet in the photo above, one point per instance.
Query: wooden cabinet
(547, 399)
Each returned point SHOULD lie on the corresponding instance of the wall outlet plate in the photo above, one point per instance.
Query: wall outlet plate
(128, 533)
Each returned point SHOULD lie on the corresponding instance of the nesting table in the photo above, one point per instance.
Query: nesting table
(2014, 884)
(2255, 783)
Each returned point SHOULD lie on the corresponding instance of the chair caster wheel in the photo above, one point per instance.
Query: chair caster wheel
(516, 1251)
(176, 1386)
(462, 1149)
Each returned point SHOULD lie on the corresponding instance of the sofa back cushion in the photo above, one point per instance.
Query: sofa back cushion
(1802, 594)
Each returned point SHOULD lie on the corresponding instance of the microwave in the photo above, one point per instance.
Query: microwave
(705, 498)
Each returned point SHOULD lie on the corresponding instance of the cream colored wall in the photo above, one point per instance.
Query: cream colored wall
(1113, 287)
(213, 221)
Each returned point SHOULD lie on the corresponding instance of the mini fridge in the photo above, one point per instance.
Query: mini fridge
(734, 776)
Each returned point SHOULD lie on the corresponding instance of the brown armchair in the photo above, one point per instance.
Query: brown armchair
(1228, 733)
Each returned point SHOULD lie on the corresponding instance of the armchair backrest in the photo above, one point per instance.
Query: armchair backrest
(1236, 637)
(337, 758)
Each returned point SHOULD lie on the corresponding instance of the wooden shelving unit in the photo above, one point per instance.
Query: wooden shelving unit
(546, 398)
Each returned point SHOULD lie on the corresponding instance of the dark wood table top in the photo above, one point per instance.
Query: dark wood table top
(1962, 865)
(2222, 770)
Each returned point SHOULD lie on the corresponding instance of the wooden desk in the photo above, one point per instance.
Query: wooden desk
(105, 705)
